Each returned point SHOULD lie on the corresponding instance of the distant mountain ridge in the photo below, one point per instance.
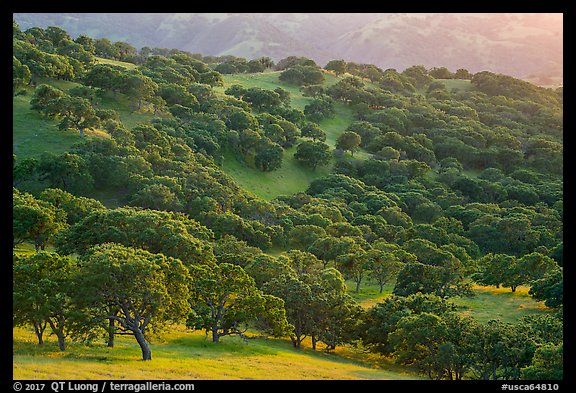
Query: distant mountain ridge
(522, 45)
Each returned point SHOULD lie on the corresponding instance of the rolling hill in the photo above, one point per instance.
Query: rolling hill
(435, 202)
(523, 45)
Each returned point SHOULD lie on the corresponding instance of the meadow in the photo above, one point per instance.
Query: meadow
(292, 177)
(185, 355)
(182, 354)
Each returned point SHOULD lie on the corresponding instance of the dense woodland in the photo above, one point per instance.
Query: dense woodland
(430, 188)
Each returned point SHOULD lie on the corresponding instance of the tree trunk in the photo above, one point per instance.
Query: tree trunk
(59, 332)
(61, 341)
(215, 335)
(296, 340)
(146, 353)
(314, 340)
(39, 336)
(111, 329)
(39, 330)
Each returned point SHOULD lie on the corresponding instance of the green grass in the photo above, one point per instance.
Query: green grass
(270, 81)
(182, 354)
(34, 134)
(458, 84)
(101, 60)
(333, 126)
(292, 177)
(186, 355)
(488, 302)
(369, 293)
(500, 303)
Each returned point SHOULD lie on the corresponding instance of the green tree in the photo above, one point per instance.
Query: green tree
(147, 290)
(336, 314)
(302, 75)
(21, 75)
(67, 171)
(104, 76)
(302, 262)
(157, 197)
(298, 297)
(354, 266)
(381, 320)
(42, 285)
(319, 109)
(384, 266)
(440, 73)
(303, 236)
(138, 87)
(549, 288)
(261, 99)
(76, 207)
(418, 341)
(312, 154)
(420, 75)
(348, 140)
(462, 73)
(43, 98)
(547, 364)
(105, 48)
(225, 299)
(338, 66)
(536, 265)
(269, 157)
(87, 43)
(170, 233)
(173, 93)
(76, 113)
(34, 220)
(499, 350)
(439, 280)
(313, 131)
(263, 268)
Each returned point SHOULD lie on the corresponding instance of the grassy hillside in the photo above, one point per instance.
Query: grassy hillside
(124, 64)
(500, 303)
(270, 81)
(291, 177)
(488, 302)
(187, 355)
(33, 133)
(457, 84)
(182, 354)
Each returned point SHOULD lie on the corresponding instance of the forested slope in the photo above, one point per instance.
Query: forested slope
(159, 205)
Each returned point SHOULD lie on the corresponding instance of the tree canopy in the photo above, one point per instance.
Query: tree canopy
(448, 184)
